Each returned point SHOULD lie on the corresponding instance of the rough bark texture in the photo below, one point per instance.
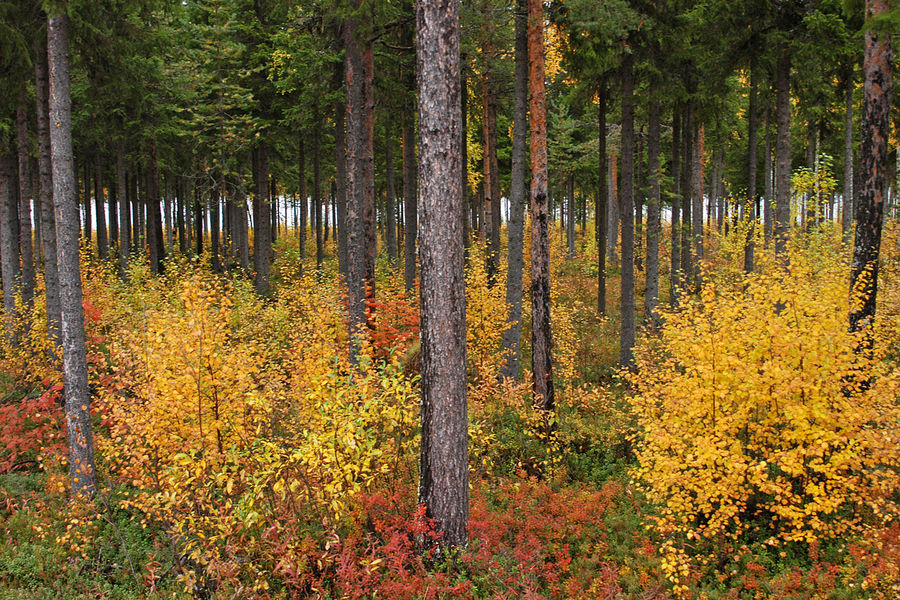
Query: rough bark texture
(626, 339)
(847, 204)
(78, 416)
(675, 251)
(444, 459)
(601, 223)
(26, 247)
(48, 220)
(512, 337)
(541, 337)
(873, 164)
(782, 154)
(753, 126)
(638, 198)
(214, 212)
(262, 220)
(88, 221)
(651, 297)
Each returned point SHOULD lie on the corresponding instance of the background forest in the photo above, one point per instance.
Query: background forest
(440, 299)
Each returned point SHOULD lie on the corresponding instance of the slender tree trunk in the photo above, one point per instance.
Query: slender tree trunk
(675, 269)
(262, 239)
(99, 205)
(199, 220)
(512, 337)
(873, 164)
(600, 221)
(697, 198)
(340, 161)
(301, 175)
(847, 204)
(47, 215)
(783, 155)
(753, 126)
(769, 204)
(444, 458)
(26, 247)
(36, 195)
(464, 140)
(491, 183)
(214, 210)
(167, 214)
(570, 217)
(390, 199)
(541, 337)
(614, 208)
(179, 217)
(88, 220)
(124, 206)
(154, 219)
(638, 199)
(653, 175)
(114, 218)
(688, 136)
(317, 193)
(626, 341)
(409, 198)
(9, 249)
(77, 396)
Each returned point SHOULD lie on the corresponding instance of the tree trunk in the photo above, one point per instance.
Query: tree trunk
(99, 206)
(600, 221)
(154, 219)
(753, 126)
(47, 216)
(26, 247)
(124, 206)
(317, 193)
(697, 199)
(88, 220)
(653, 173)
(769, 203)
(688, 133)
(179, 217)
(847, 204)
(114, 219)
(301, 180)
(638, 199)
(214, 210)
(541, 337)
(873, 164)
(491, 206)
(78, 416)
(782, 155)
(262, 240)
(199, 220)
(444, 457)
(167, 214)
(340, 161)
(512, 337)
(570, 217)
(614, 207)
(626, 340)
(675, 269)
(464, 141)
(410, 195)
(9, 249)
(390, 200)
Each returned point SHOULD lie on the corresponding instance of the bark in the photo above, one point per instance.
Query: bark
(409, 198)
(638, 199)
(88, 221)
(601, 223)
(390, 199)
(464, 141)
(753, 126)
(99, 206)
(687, 165)
(47, 216)
(317, 193)
(340, 161)
(124, 206)
(77, 397)
(626, 340)
(262, 220)
(541, 337)
(26, 248)
(847, 204)
(512, 337)
(444, 463)
(114, 218)
(697, 200)
(782, 155)
(9, 250)
(154, 218)
(653, 175)
(491, 183)
(136, 213)
(168, 201)
(301, 176)
(214, 239)
(570, 217)
(769, 203)
(614, 199)
(199, 220)
(179, 217)
(675, 269)
(873, 165)
(36, 195)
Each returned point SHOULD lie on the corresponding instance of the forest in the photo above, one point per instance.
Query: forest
(433, 299)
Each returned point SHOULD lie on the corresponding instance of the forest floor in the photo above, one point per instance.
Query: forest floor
(240, 459)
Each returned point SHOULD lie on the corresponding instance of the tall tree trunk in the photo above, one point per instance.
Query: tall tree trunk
(99, 206)
(340, 161)
(847, 204)
(154, 218)
(301, 176)
(390, 199)
(614, 208)
(114, 218)
(570, 216)
(179, 217)
(47, 216)
(688, 136)
(541, 336)
(262, 220)
(769, 204)
(198, 222)
(464, 140)
(317, 193)
(444, 457)
(638, 198)
(626, 340)
(214, 210)
(87, 231)
(77, 396)
(675, 268)
(167, 214)
(651, 297)
(410, 195)
(124, 206)
(512, 337)
(753, 126)
(600, 211)
(9, 249)
(26, 247)
(873, 164)
(697, 199)
(491, 206)
(783, 154)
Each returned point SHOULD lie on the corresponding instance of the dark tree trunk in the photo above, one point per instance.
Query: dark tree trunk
(301, 175)
(675, 269)
(769, 203)
(847, 204)
(391, 197)
(687, 170)
(87, 231)
(154, 218)
(124, 206)
(614, 209)
(99, 206)
(491, 183)
(873, 164)
(168, 201)
(137, 240)
(444, 457)
(409, 199)
(26, 247)
(114, 219)
(214, 204)
(47, 216)
(570, 216)
(697, 200)
(317, 193)
(541, 337)
(77, 396)
(782, 154)
(340, 161)
(638, 199)
(179, 217)
(652, 294)
(198, 220)
(262, 239)
(600, 221)
(753, 126)
(626, 345)
(512, 337)
(9, 249)
(464, 174)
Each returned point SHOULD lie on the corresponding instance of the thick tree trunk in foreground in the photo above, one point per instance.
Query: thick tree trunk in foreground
(444, 463)
(626, 339)
(601, 223)
(847, 210)
(47, 216)
(651, 297)
(782, 155)
(541, 337)
(873, 164)
(26, 246)
(78, 416)
(512, 337)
